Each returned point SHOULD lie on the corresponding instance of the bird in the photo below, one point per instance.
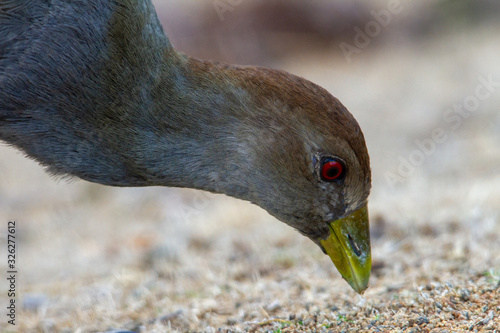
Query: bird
(95, 90)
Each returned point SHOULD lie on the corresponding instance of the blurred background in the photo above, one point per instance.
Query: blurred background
(423, 80)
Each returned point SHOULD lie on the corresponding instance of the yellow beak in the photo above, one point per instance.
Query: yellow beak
(349, 248)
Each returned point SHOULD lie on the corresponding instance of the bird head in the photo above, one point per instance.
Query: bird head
(311, 168)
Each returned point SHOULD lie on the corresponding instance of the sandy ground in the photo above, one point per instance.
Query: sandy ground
(92, 258)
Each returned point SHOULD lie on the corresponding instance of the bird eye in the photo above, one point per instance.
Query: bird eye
(332, 169)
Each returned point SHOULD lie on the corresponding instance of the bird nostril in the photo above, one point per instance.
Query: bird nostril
(354, 246)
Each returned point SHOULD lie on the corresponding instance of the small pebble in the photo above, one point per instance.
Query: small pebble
(33, 302)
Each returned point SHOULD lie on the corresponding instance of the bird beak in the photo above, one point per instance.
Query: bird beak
(349, 248)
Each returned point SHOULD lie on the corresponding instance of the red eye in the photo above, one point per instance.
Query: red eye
(332, 169)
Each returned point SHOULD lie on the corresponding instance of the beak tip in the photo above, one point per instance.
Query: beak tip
(360, 288)
(359, 281)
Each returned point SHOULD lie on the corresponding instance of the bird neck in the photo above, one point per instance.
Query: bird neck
(166, 118)
(193, 132)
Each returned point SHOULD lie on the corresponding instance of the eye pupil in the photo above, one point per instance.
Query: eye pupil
(332, 172)
(331, 169)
